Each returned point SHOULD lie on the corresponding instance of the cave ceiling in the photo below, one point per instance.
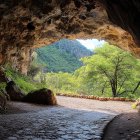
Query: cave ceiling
(29, 24)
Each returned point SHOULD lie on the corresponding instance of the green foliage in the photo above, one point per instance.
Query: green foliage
(24, 82)
(2, 86)
(61, 82)
(109, 72)
(61, 56)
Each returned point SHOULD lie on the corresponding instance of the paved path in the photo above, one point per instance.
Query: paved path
(74, 119)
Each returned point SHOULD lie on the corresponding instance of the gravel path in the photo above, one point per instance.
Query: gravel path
(73, 119)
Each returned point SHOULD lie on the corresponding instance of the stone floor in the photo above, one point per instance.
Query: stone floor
(73, 119)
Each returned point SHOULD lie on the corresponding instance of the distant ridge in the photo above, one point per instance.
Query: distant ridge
(62, 56)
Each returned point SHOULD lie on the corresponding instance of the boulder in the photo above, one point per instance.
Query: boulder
(14, 91)
(41, 96)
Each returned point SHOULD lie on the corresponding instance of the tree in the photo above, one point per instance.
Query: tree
(111, 69)
(61, 81)
(36, 68)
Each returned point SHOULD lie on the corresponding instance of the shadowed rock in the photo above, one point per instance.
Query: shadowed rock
(41, 96)
(3, 101)
(14, 91)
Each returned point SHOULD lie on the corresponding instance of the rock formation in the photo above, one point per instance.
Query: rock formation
(41, 96)
(14, 91)
(26, 24)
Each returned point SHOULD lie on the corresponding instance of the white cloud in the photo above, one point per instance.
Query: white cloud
(91, 43)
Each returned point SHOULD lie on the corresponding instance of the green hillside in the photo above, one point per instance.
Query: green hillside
(61, 56)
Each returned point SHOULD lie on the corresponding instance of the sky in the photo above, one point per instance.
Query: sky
(91, 43)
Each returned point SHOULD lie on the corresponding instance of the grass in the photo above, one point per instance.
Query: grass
(24, 82)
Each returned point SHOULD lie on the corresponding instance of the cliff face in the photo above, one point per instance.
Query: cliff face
(27, 24)
(61, 56)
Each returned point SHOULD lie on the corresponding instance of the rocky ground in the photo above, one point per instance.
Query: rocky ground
(72, 119)
(124, 127)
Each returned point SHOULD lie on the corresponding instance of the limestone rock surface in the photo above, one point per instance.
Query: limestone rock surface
(27, 24)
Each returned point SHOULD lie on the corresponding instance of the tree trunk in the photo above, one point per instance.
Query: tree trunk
(104, 86)
(113, 88)
(136, 88)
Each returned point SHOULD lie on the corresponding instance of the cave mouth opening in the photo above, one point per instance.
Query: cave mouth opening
(82, 67)
(97, 68)
(61, 58)
(63, 53)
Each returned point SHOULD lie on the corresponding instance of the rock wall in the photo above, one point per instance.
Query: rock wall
(125, 14)
(27, 24)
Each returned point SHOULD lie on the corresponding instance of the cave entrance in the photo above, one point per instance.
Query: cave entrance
(86, 68)
(57, 63)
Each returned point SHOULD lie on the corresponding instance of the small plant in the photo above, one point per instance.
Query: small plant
(136, 104)
(2, 86)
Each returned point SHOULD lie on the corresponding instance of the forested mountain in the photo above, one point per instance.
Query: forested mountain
(62, 56)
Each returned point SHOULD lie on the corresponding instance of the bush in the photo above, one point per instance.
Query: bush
(24, 82)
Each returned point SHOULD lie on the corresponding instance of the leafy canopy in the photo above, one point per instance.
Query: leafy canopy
(110, 70)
